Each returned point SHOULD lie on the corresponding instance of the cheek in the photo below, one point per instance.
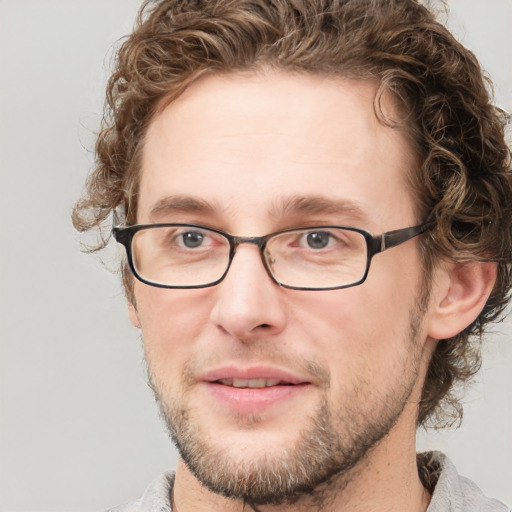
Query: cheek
(353, 322)
(171, 321)
(362, 332)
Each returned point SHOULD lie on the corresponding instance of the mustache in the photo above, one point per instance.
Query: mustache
(258, 352)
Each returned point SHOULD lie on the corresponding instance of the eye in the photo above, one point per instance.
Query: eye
(192, 239)
(318, 239)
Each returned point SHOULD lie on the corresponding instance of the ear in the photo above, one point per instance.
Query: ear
(133, 314)
(459, 294)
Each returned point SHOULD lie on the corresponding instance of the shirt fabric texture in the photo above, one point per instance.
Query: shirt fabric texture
(450, 491)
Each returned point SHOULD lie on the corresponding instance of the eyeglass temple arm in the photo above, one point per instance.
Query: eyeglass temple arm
(399, 236)
(120, 234)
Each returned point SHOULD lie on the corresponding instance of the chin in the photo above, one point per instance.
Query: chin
(262, 465)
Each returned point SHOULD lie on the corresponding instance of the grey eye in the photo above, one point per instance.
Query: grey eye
(192, 239)
(318, 239)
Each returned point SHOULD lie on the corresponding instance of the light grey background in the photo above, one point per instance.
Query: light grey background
(78, 428)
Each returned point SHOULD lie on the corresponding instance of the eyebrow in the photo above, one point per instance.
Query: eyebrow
(280, 208)
(181, 204)
(319, 205)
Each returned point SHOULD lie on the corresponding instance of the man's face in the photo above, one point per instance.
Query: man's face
(253, 154)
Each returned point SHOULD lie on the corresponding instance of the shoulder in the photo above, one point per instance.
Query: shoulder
(452, 492)
(156, 497)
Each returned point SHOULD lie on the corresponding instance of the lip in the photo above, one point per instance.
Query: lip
(252, 372)
(253, 400)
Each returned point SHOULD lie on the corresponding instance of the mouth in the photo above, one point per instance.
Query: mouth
(252, 376)
(253, 390)
(252, 383)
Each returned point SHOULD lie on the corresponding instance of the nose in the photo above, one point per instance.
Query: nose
(249, 304)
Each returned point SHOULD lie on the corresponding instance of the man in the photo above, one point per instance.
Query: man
(315, 201)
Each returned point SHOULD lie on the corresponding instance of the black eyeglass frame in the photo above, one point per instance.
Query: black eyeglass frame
(374, 244)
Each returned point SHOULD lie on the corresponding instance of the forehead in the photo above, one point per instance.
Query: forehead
(252, 144)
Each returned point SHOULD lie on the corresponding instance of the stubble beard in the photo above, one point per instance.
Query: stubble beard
(330, 450)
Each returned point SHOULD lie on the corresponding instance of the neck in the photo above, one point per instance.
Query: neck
(386, 480)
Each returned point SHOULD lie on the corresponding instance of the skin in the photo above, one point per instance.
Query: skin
(246, 144)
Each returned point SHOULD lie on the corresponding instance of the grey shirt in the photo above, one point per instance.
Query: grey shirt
(450, 492)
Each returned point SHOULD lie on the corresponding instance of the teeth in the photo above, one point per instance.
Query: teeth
(249, 383)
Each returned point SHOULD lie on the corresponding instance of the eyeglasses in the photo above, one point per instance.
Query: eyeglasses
(312, 258)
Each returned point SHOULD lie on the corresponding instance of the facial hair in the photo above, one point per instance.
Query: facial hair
(330, 449)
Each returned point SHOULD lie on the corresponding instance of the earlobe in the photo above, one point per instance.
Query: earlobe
(134, 315)
(459, 296)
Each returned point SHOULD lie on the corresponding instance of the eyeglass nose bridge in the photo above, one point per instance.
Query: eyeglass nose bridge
(258, 241)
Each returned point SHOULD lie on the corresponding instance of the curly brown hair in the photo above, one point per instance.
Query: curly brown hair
(463, 185)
